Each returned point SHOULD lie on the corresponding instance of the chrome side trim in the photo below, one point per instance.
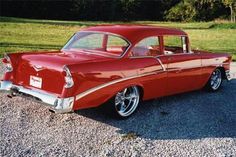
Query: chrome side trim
(162, 65)
(176, 54)
(217, 64)
(176, 69)
(81, 95)
(158, 59)
(141, 57)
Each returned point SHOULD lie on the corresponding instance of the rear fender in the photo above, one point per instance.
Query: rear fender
(96, 97)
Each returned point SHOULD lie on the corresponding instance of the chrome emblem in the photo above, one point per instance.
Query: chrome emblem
(37, 67)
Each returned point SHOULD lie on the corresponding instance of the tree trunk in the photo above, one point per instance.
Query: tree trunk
(231, 13)
(234, 12)
(234, 16)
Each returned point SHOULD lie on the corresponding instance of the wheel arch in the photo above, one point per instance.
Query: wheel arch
(140, 88)
(222, 70)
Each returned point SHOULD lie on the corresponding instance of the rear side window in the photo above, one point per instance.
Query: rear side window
(147, 47)
(90, 41)
(116, 45)
(114, 41)
(175, 44)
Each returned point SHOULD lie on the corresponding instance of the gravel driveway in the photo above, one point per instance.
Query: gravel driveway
(191, 124)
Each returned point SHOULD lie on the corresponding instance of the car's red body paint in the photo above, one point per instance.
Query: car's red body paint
(181, 73)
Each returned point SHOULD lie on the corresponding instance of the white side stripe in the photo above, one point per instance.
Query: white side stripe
(81, 95)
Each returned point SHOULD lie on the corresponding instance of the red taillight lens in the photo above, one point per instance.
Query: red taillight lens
(7, 63)
(4, 60)
(68, 78)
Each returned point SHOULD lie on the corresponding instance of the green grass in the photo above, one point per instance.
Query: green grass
(17, 34)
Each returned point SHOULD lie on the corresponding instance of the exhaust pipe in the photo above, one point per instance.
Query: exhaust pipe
(9, 96)
(52, 111)
(13, 93)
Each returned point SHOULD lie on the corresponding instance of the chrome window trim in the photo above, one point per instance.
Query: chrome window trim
(188, 45)
(158, 59)
(157, 36)
(162, 65)
(108, 33)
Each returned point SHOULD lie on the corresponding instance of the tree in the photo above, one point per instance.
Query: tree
(232, 5)
(183, 11)
(196, 10)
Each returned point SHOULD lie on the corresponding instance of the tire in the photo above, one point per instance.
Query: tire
(215, 81)
(124, 103)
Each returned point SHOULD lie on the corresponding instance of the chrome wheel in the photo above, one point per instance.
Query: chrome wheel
(216, 79)
(127, 101)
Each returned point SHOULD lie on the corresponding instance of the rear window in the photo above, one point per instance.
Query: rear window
(97, 43)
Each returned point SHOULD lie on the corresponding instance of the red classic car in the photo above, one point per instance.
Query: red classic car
(119, 64)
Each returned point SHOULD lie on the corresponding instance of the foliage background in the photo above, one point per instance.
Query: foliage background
(201, 19)
(118, 10)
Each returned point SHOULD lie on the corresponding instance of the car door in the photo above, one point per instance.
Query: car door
(144, 55)
(183, 66)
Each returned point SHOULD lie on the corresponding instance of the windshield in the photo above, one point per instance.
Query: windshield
(97, 43)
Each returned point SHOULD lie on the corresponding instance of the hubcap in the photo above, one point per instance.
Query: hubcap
(127, 101)
(216, 79)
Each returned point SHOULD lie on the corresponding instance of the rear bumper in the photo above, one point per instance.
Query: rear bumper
(56, 104)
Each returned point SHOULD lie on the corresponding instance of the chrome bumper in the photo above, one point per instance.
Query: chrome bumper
(229, 75)
(57, 105)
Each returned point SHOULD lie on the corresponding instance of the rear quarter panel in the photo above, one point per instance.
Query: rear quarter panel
(98, 82)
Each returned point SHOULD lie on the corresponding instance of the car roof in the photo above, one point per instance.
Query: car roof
(134, 33)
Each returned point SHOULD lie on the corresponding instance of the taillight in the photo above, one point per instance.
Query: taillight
(7, 63)
(68, 77)
(4, 60)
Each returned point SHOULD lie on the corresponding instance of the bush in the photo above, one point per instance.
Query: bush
(183, 11)
(196, 10)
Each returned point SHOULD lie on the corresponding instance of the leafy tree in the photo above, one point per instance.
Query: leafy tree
(183, 11)
(119, 10)
(196, 10)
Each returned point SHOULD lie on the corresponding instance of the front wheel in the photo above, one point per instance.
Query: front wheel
(124, 103)
(215, 80)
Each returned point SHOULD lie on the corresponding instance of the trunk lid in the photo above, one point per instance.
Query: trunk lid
(44, 70)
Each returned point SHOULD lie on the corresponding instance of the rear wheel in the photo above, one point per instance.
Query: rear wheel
(124, 103)
(215, 80)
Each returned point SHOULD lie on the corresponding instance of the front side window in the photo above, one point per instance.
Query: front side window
(175, 44)
(97, 43)
(147, 47)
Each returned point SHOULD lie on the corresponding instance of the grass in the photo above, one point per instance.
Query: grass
(17, 34)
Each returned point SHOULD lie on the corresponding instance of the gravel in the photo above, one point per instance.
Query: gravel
(198, 123)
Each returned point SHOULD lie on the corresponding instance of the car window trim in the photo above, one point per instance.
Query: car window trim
(108, 33)
(187, 43)
(159, 41)
(154, 57)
